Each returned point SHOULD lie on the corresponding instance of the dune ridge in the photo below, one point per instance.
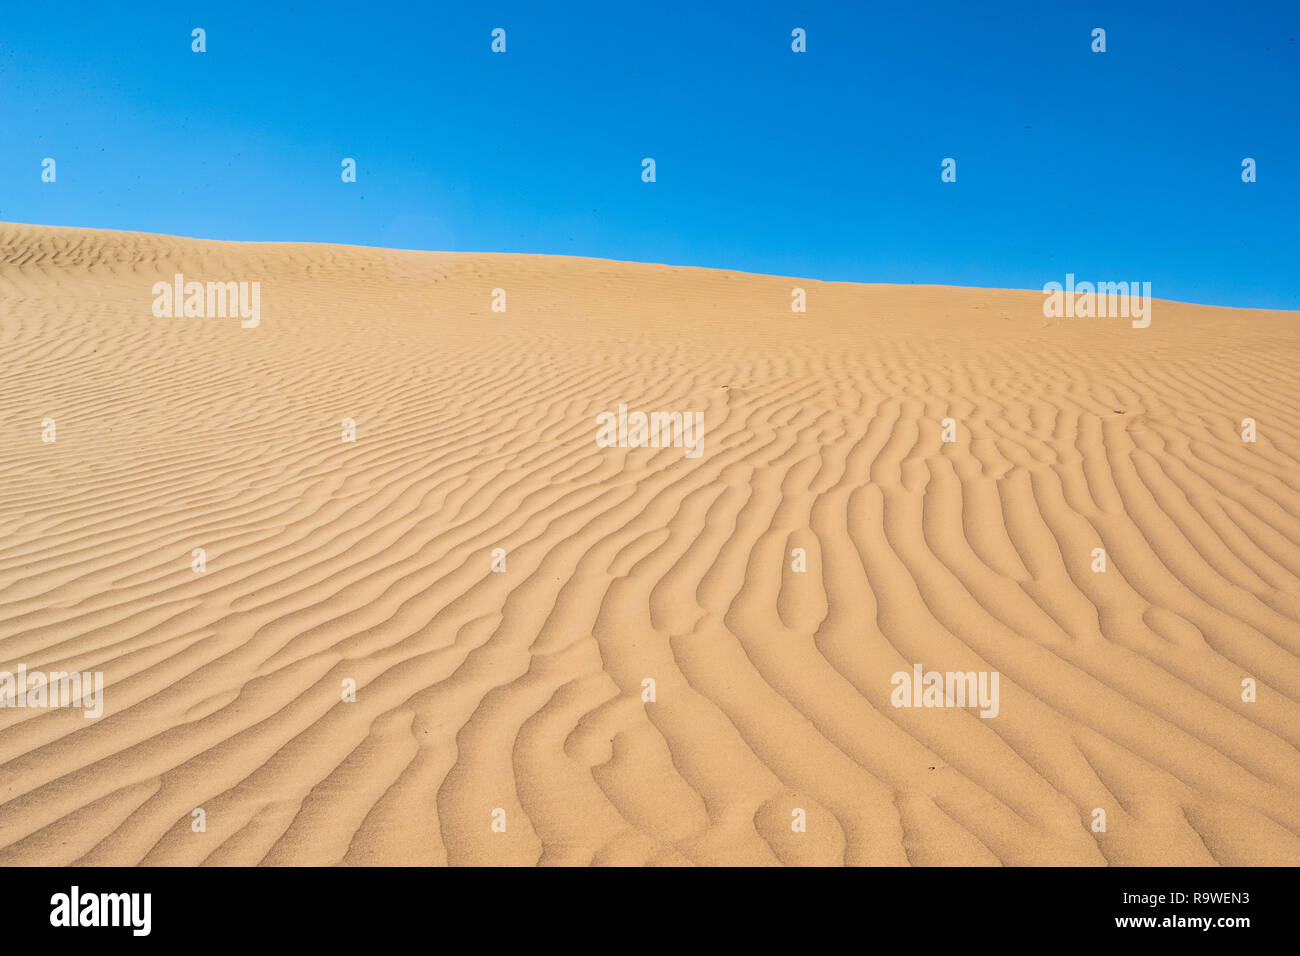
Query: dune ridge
(522, 690)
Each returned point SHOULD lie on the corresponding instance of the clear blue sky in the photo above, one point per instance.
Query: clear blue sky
(1117, 166)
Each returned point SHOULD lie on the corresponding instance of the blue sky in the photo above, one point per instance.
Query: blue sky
(1117, 166)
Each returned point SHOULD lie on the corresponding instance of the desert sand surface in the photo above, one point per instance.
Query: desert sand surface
(518, 695)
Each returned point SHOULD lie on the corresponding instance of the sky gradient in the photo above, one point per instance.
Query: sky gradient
(1117, 166)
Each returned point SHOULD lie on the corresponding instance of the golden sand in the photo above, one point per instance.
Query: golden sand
(517, 695)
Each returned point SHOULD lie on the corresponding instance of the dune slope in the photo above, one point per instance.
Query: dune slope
(518, 695)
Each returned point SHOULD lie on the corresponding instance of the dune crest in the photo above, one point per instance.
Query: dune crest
(201, 534)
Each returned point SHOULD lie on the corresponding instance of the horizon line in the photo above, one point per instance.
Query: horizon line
(638, 262)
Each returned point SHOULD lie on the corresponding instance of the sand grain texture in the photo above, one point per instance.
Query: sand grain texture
(522, 690)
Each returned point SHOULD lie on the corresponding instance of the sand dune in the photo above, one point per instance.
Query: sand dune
(522, 691)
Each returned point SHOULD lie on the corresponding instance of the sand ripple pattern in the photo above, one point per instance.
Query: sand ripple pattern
(522, 690)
